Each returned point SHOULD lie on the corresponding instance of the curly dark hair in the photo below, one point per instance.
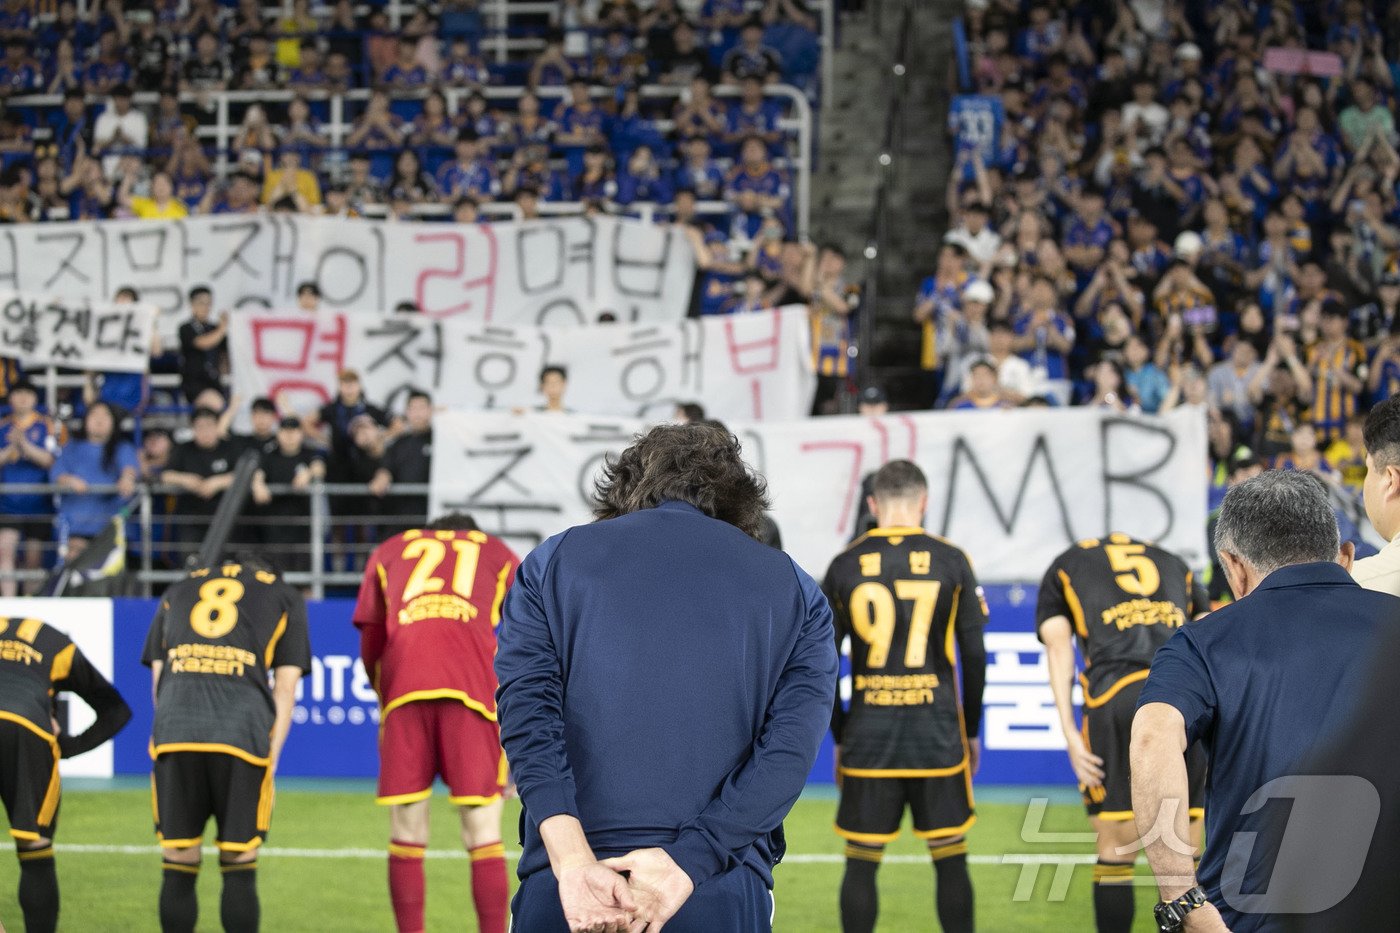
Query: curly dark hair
(698, 463)
(453, 521)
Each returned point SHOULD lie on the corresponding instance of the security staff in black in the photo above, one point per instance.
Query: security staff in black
(219, 728)
(912, 608)
(37, 662)
(1120, 600)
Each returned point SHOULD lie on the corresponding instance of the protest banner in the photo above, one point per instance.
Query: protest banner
(749, 366)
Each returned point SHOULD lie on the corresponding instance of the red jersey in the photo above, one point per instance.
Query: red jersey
(428, 609)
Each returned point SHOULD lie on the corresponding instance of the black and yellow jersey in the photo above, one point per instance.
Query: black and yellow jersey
(911, 606)
(38, 661)
(218, 633)
(1124, 598)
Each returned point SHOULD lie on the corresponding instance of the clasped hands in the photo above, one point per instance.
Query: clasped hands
(633, 893)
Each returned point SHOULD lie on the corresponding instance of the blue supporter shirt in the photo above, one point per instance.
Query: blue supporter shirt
(614, 639)
(88, 514)
(1260, 683)
(42, 432)
(477, 179)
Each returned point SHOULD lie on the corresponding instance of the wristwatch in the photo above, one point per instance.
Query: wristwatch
(1172, 914)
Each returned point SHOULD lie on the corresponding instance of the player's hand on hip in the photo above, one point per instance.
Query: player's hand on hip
(1088, 767)
(595, 899)
(658, 884)
(974, 755)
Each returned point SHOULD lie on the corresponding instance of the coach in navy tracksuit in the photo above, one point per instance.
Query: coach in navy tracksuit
(665, 681)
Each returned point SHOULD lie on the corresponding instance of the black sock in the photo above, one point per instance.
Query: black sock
(38, 890)
(860, 901)
(954, 895)
(1113, 896)
(179, 904)
(239, 909)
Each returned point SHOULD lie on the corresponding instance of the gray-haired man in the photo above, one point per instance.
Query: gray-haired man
(1258, 683)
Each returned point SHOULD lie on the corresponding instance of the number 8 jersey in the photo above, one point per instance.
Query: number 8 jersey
(911, 605)
(218, 633)
(437, 597)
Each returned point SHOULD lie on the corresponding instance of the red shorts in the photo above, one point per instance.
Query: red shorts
(426, 738)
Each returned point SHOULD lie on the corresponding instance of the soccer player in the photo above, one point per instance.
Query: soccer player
(1121, 599)
(907, 599)
(38, 661)
(427, 613)
(219, 728)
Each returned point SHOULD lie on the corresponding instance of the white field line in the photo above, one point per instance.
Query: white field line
(78, 848)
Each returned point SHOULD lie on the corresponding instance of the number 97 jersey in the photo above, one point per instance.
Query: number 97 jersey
(904, 597)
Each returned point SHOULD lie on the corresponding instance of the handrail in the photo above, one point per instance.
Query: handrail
(337, 127)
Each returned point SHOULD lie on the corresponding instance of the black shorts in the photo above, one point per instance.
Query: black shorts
(29, 784)
(189, 787)
(871, 808)
(29, 527)
(1107, 730)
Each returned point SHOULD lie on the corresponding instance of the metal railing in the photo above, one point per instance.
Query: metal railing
(889, 165)
(343, 523)
(337, 127)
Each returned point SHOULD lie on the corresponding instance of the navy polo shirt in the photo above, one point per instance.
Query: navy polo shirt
(1263, 682)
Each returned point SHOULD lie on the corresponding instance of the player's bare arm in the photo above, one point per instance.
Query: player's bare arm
(1059, 655)
(284, 692)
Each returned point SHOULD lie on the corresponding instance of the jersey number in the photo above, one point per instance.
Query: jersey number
(873, 616)
(429, 552)
(1136, 573)
(216, 613)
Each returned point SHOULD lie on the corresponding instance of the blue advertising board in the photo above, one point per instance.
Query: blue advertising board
(335, 723)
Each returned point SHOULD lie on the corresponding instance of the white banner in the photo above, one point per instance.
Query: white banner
(1012, 488)
(751, 367)
(556, 271)
(43, 331)
(89, 623)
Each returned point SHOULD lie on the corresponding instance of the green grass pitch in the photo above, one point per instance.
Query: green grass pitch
(330, 871)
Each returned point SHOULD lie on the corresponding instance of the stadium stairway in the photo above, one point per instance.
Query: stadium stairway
(844, 188)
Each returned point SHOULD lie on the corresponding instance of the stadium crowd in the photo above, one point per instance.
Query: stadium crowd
(1179, 205)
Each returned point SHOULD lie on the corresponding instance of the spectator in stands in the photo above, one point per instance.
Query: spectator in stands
(90, 194)
(751, 58)
(263, 422)
(108, 71)
(982, 389)
(465, 68)
(975, 235)
(254, 140)
(1146, 379)
(728, 16)
(292, 180)
(1367, 118)
(684, 60)
(579, 121)
(551, 68)
(120, 130)
(527, 201)
(160, 203)
(285, 527)
(207, 72)
(202, 468)
(378, 127)
(408, 461)
(751, 115)
(405, 73)
(99, 458)
(1229, 381)
(19, 74)
(70, 128)
(700, 173)
(363, 188)
(755, 188)
(308, 75)
(830, 306)
(309, 301)
(258, 71)
(301, 130)
(433, 127)
(238, 196)
(408, 181)
(470, 174)
(1337, 364)
(643, 179)
(554, 384)
(595, 181)
(203, 345)
(29, 444)
(296, 31)
(1044, 333)
(698, 113)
